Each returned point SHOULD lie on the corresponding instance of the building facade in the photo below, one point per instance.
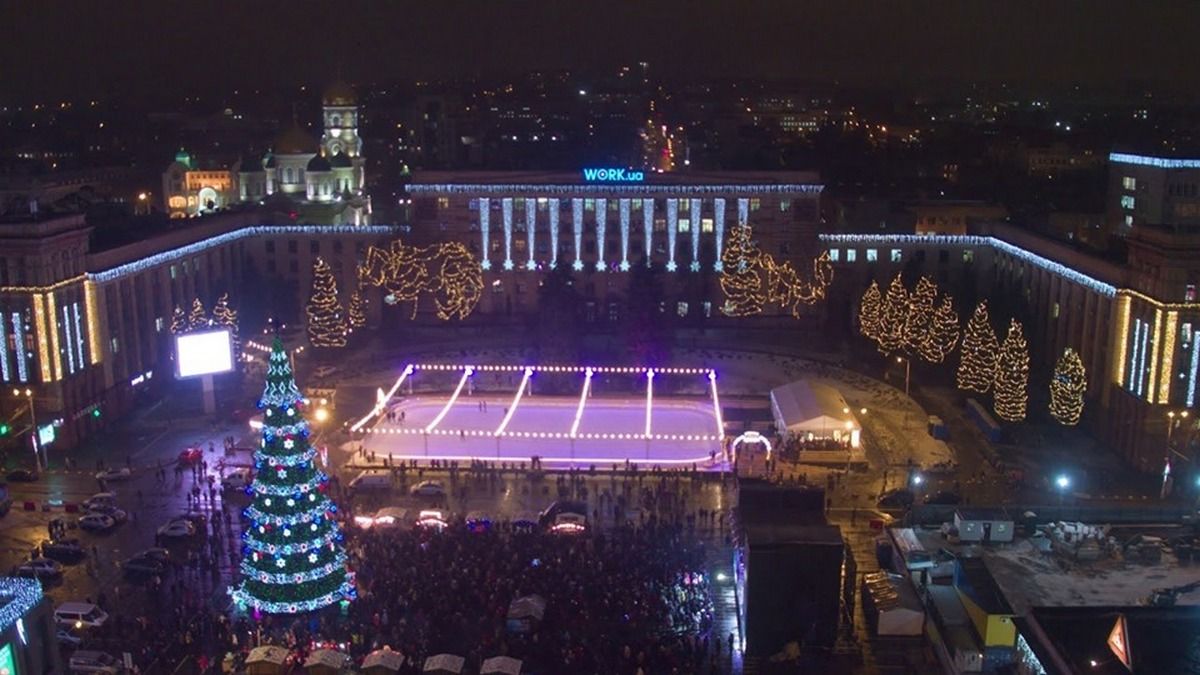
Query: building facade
(27, 641)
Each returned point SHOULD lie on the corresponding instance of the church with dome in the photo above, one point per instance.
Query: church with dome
(321, 181)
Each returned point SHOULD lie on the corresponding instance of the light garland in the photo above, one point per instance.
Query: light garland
(284, 490)
(977, 363)
(752, 279)
(553, 208)
(719, 226)
(599, 370)
(1067, 388)
(648, 228)
(326, 319)
(601, 223)
(893, 314)
(485, 214)
(179, 321)
(672, 229)
(694, 212)
(870, 312)
(530, 233)
(448, 271)
(624, 207)
(1156, 162)
(356, 314)
(577, 232)
(920, 313)
(21, 596)
(1012, 376)
(19, 335)
(256, 545)
(226, 316)
(346, 591)
(198, 318)
(943, 333)
(506, 211)
(4, 371)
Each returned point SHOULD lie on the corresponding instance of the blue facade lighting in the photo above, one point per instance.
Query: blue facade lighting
(1157, 162)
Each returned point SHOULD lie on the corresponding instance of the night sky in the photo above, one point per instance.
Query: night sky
(52, 49)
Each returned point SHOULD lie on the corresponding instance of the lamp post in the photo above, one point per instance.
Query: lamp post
(1174, 419)
(907, 370)
(33, 439)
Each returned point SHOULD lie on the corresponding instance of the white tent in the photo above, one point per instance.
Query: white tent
(444, 663)
(331, 660)
(805, 407)
(501, 665)
(266, 659)
(892, 605)
(383, 659)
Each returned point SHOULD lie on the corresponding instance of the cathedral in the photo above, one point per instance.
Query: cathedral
(322, 181)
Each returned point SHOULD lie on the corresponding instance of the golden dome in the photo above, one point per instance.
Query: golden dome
(339, 93)
(295, 141)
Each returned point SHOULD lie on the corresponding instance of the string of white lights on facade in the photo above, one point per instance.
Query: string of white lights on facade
(506, 208)
(624, 209)
(531, 231)
(577, 231)
(543, 189)
(672, 228)
(554, 233)
(601, 223)
(485, 209)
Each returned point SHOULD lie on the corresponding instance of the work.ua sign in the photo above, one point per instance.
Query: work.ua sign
(613, 176)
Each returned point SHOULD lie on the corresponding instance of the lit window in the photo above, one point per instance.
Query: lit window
(1054, 311)
(851, 254)
(785, 204)
(1186, 333)
(681, 308)
(706, 225)
(589, 205)
(968, 256)
(1189, 293)
(443, 202)
(158, 324)
(685, 205)
(636, 204)
(707, 308)
(834, 254)
(896, 255)
(872, 255)
(1128, 221)
(685, 225)
(1129, 183)
(1127, 202)
(755, 204)
(660, 225)
(173, 272)
(116, 346)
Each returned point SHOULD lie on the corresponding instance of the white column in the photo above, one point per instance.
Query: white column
(485, 212)
(672, 228)
(601, 217)
(577, 225)
(719, 228)
(648, 227)
(507, 208)
(553, 233)
(530, 231)
(695, 219)
(624, 208)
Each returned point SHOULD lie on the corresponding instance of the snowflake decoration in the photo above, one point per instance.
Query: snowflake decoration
(289, 444)
(280, 562)
(312, 557)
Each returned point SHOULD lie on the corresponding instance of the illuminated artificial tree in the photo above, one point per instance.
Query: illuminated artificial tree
(292, 555)
(198, 318)
(977, 358)
(740, 279)
(1012, 376)
(179, 321)
(869, 309)
(942, 335)
(892, 317)
(920, 312)
(357, 312)
(326, 321)
(1067, 388)
(227, 317)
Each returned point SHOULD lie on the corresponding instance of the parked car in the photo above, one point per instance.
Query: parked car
(22, 476)
(118, 515)
(122, 473)
(63, 550)
(94, 662)
(238, 479)
(40, 568)
(371, 480)
(429, 488)
(190, 455)
(198, 520)
(944, 497)
(177, 529)
(105, 498)
(66, 639)
(80, 615)
(97, 522)
(899, 498)
(162, 555)
(146, 566)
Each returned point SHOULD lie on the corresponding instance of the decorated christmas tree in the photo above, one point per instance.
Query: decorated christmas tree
(1012, 376)
(869, 312)
(894, 313)
(1067, 388)
(357, 313)
(920, 312)
(179, 321)
(977, 359)
(227, 317)
(326, 321)
(943, 331)
(293, 560)
(198, 318)
(740, 279)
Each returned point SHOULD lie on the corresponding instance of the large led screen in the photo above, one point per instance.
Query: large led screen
(204, 353)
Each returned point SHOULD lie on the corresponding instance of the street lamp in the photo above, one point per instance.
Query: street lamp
(907, 369)
(28, 395)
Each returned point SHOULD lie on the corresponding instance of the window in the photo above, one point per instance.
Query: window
(785, 204)
(943, 257)
(158, 324)
(1128, 221)
(292, 246)
(706, 225)
(681, 308)
(707, 309)
(294, 267)
(968, 256)
(684, 225)
(589, 205)
(1129, 183)
(314, 247)
(834, 255)
(1054, 311)
(872, 255)
(116, 346)
(443, 202)
(896, 255)
(755, 204)
(660, 225)
(185, 267)
(271, 267)
(1127, 202)
(270, 246)
(173, 272)
(637, 204)
(337, 246)
(1189, 294)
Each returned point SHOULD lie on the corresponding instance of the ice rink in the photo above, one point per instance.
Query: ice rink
(610, 430)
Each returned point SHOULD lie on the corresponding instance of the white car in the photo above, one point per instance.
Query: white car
(114, 474)
(96, 522)
(94, 662)
(237, 479)
(100, 499)
(429, 488)
(40, 568)
(65, 638)
(118, 515)
(177, 529)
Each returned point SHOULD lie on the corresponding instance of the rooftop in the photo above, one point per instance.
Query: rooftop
(433, 181)
(1159, 640)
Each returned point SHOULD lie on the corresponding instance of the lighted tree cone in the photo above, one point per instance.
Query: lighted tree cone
(1067, 388)
(357, 312)
(920, 313)
(1012, 376)
(198, 318)
(448, 271)
(225, 316)
(752, 279)
(942, 335)
(869, 312)
(179, 321)
(977, 358)
(326, 321)
(293, 559)
(893, 314)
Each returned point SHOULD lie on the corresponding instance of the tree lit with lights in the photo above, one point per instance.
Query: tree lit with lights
(977, 359)
(942, 335)
(893, 315)
(920, 313)
(357, 312)
(1067, 388)
(198, 318)
(1012, 376)
(869, 312)
(326, 321)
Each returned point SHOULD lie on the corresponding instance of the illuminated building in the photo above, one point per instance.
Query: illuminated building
(27, 642)
(1161, 192)
(323, 180)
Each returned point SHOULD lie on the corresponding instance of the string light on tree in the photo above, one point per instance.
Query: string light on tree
(284, 571)
(1067, 388)
(977, 358)
(179, 321)
(1012, 376)
(357, 312)
(326, 320)
(225, 316)
(448, 271)
(198, 318)
(893, 315)
(920, 312)
(752, 279)
(942, 335)
(869, 309)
